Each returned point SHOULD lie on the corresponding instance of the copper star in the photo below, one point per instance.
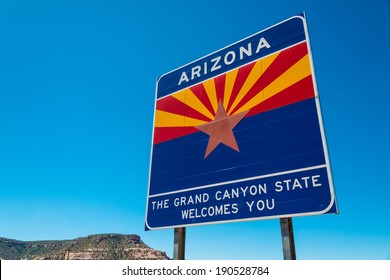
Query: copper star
(221, 129)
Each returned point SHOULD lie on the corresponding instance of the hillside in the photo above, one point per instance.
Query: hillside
(92, 247)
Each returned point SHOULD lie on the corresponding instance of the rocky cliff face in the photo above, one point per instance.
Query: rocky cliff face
(92, 247)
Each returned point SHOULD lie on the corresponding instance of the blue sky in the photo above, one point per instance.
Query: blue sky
(77, 88)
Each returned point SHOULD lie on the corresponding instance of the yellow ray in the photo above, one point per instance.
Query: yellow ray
(209, 86)
(165, 119)
(255, 74)
(229, 83)
(189, 98)
(294, 74)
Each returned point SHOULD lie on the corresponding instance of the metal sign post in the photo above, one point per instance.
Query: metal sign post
(179, 246)
(286, 227)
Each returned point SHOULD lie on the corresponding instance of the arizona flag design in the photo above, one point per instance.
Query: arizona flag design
(269, 83)
(250, 122)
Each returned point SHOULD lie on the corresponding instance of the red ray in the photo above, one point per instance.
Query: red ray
(220, 87)
(162, 134)
(172, 105)
(297, 92)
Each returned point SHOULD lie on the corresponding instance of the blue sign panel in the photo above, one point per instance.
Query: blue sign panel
(238, 135)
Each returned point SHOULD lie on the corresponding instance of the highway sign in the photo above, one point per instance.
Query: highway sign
(238, 135)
